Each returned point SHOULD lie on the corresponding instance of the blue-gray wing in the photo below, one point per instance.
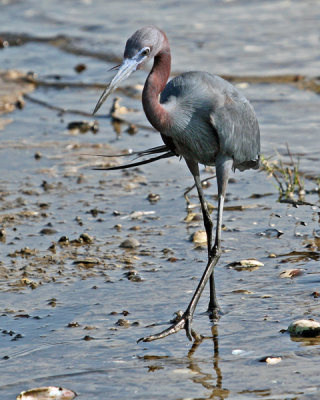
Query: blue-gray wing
(237, 127)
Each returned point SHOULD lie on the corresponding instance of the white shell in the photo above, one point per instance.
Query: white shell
(47, 393)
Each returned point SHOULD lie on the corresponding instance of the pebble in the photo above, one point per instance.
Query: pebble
(130, 243)
(271, 233)
(133, 276)
(153, 197)
(80, 68)
(87, 338)
(73, 325)
(63, 240)
(123, 322)
(86, 238)
(3, 234)
(304, 327)
(48, 231)
(199, 238)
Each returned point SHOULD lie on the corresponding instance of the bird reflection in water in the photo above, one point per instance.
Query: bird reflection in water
(210, 381)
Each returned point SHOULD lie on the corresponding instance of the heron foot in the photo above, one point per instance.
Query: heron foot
(184, 322)
(214, 313)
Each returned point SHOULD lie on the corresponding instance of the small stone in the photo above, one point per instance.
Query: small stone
(272, 255)
(48, 231)
(135, 228)
(153, 197)
(52, 302)
(86, 238)
(199, 238)
(3, 234)
(80, 68)
(130, 243)
(87, 338)
(123, 322)
(133, 276)
(64, 240)
(304, 327)
(73, 325)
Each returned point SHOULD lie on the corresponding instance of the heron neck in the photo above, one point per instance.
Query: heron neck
(155, 83)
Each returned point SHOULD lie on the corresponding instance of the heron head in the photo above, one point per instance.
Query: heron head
(143, 45)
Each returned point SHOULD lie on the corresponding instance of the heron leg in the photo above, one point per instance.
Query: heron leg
(223, 166)
(213, 306)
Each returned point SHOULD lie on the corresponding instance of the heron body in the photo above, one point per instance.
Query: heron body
(202, 118)
(208, 116)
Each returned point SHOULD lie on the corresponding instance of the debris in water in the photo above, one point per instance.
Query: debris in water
(132, 129)
(73, 325)
(153, 197)
(271, 360)
(193, 217)
(83, 126)
(249, 264)
(242, 291)
(271, 233)
(291, 273)
(47, 393)
(138, 214)
(237, 352)
(304, 327)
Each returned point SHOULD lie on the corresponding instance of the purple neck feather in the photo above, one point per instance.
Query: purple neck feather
(155, 83)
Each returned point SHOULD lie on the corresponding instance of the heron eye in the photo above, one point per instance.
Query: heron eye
(145, 51)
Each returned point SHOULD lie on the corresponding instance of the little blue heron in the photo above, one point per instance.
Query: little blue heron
(202, 118)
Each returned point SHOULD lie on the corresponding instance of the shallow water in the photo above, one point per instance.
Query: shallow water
(86, 284)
